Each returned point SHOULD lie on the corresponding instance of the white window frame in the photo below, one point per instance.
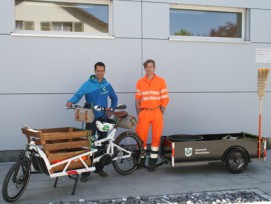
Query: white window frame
(69, 34)
(210, 39)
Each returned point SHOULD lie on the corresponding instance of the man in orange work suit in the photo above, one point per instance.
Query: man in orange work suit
(151, 100)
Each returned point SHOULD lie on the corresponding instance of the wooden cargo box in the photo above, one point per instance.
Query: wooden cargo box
(62, 143)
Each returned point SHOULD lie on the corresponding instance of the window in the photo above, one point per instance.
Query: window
(60, 16)
(25, 25)
(62, 26)
(206, 23)
(45, 26)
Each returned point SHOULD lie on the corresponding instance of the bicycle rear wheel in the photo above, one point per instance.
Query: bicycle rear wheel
(129, 141)
(16, 180)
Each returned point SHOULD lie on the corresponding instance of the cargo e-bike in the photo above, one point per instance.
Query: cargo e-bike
(124, 152)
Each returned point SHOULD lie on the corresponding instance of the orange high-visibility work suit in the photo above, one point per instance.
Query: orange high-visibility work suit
(151, 95)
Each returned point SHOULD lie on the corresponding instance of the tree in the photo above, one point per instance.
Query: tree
(183, 32)
(228, 30)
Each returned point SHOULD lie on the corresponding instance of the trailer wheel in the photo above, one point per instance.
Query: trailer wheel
(236, 161)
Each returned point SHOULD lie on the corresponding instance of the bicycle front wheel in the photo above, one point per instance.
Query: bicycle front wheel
(130, 145)
(16, 180)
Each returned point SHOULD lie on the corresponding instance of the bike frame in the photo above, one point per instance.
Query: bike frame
(37, 151)
(110, 147)
(32, 147)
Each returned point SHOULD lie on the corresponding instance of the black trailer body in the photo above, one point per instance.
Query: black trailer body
(235, 150)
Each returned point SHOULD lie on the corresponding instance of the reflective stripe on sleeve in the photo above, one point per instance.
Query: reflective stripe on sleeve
(164, 96)
(153, 98)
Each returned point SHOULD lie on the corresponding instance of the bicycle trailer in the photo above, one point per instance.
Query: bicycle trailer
(235, 150)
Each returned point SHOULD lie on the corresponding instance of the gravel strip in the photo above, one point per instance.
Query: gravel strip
(220, 197)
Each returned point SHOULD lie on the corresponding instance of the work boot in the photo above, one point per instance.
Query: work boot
(151, 168)
(152, 165)
(101, 173)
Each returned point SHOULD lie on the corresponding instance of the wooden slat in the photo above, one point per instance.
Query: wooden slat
(37, 142)
(63, 135)
(55, 130)
(53, 156)
(65, 145)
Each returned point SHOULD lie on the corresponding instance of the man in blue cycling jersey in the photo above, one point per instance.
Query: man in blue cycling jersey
(96, 91)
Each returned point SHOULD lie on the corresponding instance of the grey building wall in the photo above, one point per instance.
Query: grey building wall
(212, 85)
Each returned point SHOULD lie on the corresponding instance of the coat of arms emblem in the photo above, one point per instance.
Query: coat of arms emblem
(188, 151)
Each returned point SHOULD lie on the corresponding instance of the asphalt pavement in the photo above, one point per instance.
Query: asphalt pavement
(165, 180)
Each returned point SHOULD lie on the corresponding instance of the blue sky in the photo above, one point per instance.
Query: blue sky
(99, 11)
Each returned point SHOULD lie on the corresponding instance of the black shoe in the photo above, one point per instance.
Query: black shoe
(151, 168)
(84, 178)
(101, 173)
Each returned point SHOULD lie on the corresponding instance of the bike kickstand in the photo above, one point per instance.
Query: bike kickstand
(75, 184)
(55, 182)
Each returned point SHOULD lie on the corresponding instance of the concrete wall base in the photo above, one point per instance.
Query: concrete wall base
(268, 145)
(9, 155)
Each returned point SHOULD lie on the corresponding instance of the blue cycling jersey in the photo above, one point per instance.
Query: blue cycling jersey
(96, 93)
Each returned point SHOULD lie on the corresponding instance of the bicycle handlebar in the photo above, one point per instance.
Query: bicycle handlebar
(99, 108)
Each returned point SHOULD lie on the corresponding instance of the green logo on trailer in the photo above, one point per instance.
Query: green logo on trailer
(188, 151)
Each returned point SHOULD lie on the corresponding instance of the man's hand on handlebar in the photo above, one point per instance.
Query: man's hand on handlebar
(69, 104)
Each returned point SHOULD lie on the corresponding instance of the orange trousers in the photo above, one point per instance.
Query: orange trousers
(153, 118)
